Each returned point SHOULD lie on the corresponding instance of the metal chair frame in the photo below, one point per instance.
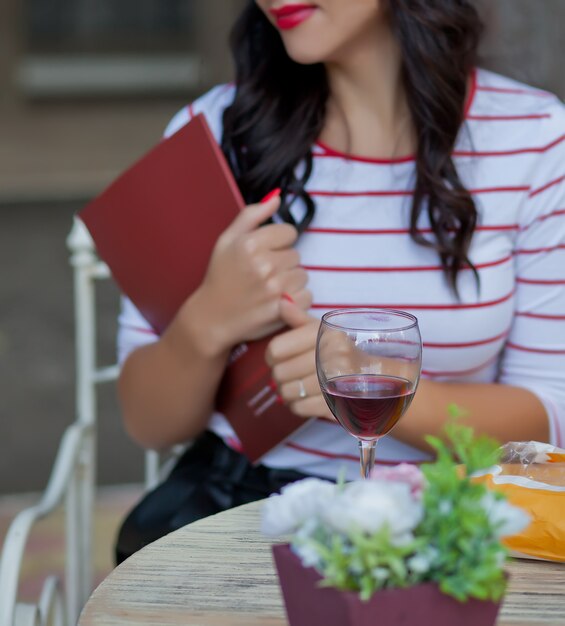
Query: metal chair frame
(72, 480)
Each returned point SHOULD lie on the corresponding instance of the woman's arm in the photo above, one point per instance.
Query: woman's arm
(167, 388)
(504, 412)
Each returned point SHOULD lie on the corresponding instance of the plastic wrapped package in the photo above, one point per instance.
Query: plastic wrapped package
(532, 476)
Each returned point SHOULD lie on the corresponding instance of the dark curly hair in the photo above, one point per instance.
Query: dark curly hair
(279, 111)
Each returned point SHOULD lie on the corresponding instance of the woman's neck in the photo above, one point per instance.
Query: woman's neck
(368, 113)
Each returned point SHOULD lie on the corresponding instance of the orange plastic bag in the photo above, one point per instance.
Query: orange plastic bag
(532, 476)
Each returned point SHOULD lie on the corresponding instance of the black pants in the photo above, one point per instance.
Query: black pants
(207, 479)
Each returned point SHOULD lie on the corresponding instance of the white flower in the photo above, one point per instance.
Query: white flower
(380, 573)
(445, 507)
(505, 518)
(307, 554)
(403, 473)
(307, 528)
(422, 562)
(368, 506)
(401, 539)
(299, 503)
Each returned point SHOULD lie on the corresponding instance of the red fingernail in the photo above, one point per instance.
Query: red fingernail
(280, 400)
(288, 298)
(273, 385)
(271, 195)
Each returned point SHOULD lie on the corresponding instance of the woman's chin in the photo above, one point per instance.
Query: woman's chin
(304, 54)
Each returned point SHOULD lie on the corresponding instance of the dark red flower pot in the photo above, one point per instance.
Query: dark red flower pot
(307, 604)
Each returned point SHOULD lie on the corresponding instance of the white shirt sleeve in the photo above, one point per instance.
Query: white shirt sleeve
(134, 330)
(534, 357)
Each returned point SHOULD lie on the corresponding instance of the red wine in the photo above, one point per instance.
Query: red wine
(367, 405)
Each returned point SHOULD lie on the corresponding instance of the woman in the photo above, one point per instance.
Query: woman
(416, 182)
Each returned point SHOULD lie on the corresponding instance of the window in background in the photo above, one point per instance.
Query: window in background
(109, 26)
(104, 47)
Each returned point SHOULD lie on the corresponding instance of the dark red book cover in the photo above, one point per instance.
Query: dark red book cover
(156, 227)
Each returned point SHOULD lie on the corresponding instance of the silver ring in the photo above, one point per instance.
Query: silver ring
(302, 390)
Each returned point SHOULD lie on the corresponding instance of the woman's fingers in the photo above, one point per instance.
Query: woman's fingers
(313, 406)
(300, 387)
(302, 299)
(274, 236)
(289, 371)
(284, 283)
(285, 260)
(251, 217)
(293, 343)
(251, 268)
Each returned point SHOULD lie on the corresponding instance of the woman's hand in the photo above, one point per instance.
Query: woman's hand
(250, 269)
(292, 357)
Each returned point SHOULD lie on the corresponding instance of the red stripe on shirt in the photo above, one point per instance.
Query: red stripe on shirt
(515, 346)
(399, 231)
(541, 316)
(473, 370)
(354, 194)
(540, 250)
(322, 453)
(407, 192)
(516, 152)
(428, 231)
(361, 231)
(524, 92)
(497, 227)
(456, 153)
(419, 307)
(190, 108)
(519, 189)
(344, 457)
(406, 268)
(508, 118)
(469, 344)
(328, 151)
(552, 183)
(542, 218)
(531, 281)
(139, 329)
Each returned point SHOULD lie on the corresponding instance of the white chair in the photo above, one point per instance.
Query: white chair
(72, 480)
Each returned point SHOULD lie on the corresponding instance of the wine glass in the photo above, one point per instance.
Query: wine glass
(368, 363)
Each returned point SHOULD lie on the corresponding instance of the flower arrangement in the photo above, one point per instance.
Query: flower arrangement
(405, 526)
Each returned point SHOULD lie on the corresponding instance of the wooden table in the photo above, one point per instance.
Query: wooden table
(218, 572)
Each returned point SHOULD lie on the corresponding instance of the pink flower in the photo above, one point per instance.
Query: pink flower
(403, 473)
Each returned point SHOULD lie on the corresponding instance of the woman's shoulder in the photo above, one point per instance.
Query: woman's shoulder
(212, 104)
(502, 99)
(514, 128)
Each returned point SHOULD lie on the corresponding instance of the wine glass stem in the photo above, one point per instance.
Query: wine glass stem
(367, 456)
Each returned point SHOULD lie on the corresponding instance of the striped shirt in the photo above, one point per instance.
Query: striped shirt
(511, 155)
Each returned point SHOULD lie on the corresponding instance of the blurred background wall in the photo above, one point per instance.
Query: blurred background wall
(86, 86)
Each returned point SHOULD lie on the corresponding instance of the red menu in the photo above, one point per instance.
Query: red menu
(156, 227)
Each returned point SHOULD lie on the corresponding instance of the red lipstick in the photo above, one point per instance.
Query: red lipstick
(292, 15)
